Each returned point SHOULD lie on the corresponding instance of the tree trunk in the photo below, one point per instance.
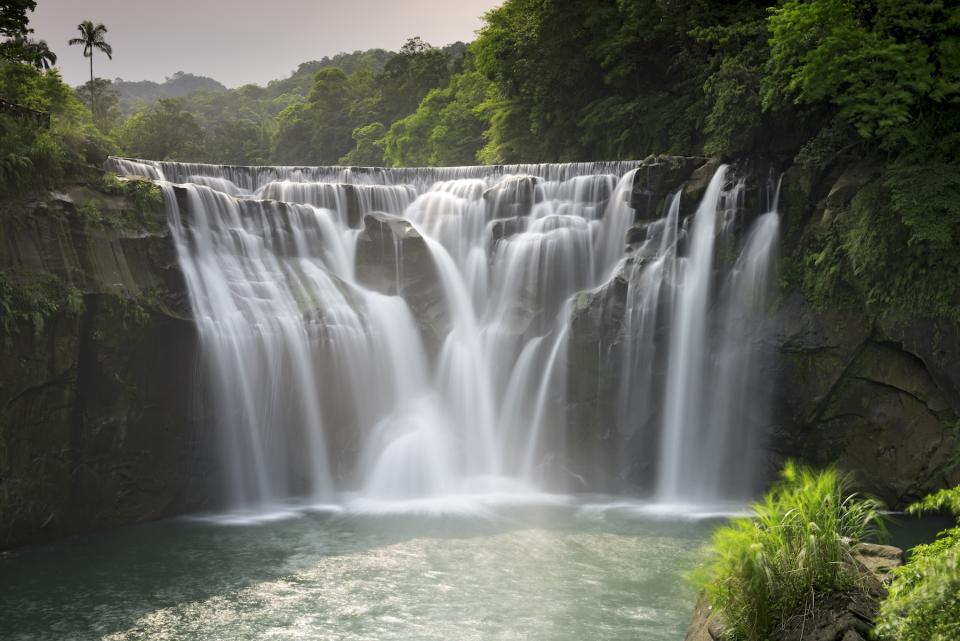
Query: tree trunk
(93, 98)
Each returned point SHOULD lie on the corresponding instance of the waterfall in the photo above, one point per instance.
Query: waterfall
(402, 333)
(691, 366)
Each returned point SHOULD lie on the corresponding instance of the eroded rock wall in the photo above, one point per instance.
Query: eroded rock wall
(99, 425)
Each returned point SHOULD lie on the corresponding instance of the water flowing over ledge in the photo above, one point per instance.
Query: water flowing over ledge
(403, 334)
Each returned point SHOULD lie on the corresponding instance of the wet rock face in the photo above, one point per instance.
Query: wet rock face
(98, 424)
(658, 176)
(507, 227)
(594, 448)
(393, 257)
(863, 397)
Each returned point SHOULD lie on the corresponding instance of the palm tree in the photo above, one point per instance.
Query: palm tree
(43, 57)
(91, 37)
(38, 52)
(34, 52)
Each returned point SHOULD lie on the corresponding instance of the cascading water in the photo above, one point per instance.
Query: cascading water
(333, 374)
(691, 367)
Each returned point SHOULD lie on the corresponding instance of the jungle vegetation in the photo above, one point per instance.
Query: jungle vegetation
(817, 85)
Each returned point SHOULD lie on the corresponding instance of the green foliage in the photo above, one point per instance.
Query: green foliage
(447, 128)
(923, 603)
(892, 247)
(766, 569)
(732, 89)
(409, 76)
(619, 79)
(924, 191)
(103, 102)
(13, 17)
(89, 213)
(33, 158)
(32, 302)
(882, 63)
(368, 147)
(164, 132)
(145, 196)
(135, 96)
(20, 48)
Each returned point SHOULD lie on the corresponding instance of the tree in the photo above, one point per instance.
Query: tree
(103, 101)
(409, 75)
(164, 132)
(34, 52)
(13, 17)
(447, 128)
(368, 151)
(91, 37)
(890, 67)
(14, 27)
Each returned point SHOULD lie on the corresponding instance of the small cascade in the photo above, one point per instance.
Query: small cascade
(402, 333)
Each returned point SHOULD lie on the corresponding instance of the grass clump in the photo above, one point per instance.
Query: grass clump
(767, 569)
(923, 603)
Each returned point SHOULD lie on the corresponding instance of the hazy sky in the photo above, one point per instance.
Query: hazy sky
(241, 41)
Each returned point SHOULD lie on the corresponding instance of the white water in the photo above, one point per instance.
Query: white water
(324, 381)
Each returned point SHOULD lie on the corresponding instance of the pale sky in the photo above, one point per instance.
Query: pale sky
(241, 41)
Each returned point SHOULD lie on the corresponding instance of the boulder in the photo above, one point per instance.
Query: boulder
(512, 196)
(394, 259)
(507, 227)
(658, 176)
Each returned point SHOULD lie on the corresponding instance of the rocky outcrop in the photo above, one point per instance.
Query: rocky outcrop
(658, 176)
(98, 424)
(512, 196)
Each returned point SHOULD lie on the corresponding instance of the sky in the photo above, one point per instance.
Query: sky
(242, 41)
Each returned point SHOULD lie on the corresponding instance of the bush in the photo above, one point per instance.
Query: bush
(34, 302)
(766, 569)
(923, 603)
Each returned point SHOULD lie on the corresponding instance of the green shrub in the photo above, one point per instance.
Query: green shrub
(35, 302)
(145, 196)
(766, 569)
(923, 603)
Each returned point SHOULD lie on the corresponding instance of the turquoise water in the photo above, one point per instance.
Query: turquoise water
(557, 570)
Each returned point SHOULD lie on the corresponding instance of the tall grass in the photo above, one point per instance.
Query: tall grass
(766, 569)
